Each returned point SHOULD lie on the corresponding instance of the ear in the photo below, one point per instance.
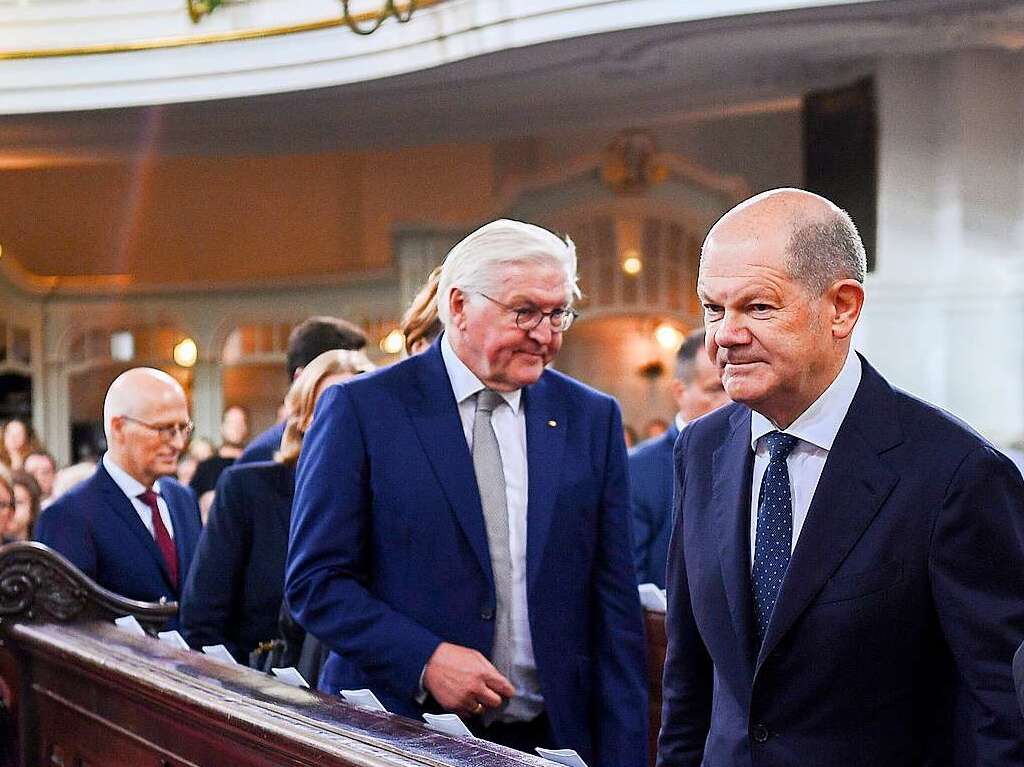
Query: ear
(457, 301)
(847, 299)
(678, 389)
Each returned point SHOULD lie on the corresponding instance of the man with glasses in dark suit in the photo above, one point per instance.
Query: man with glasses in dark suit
(131, 527)
(460, 532)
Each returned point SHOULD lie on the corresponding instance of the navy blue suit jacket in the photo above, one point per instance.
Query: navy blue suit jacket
(96, 527)
(263, 445)
(650, 482)
(388, 554)
(891, 639)
(233, 592)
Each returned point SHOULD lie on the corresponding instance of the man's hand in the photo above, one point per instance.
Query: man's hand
(464, 681)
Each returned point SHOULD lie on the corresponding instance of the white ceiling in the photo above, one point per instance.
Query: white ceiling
(684, 71)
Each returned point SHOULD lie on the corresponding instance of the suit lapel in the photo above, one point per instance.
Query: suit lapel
(853, 485)
(545, 441)
(435, 417)
(732, 470)
(123, 507)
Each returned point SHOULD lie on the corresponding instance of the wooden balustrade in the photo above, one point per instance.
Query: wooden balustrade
(80, 692)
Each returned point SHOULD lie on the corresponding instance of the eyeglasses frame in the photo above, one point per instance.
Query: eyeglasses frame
(185, 430)
(568, 312)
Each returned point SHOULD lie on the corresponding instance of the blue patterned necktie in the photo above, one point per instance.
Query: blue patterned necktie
(774, 530)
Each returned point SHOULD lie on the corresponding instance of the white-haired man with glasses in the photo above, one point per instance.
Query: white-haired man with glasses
(131, 527)
(460, 533)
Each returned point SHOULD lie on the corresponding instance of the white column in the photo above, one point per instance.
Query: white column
(945, 311)
(207, 399)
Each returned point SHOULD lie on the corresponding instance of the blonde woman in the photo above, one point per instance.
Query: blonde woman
(420, 324)
(233, 592)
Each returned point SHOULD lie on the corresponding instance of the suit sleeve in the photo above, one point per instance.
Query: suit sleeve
(330, 557)
(976, 563)
(688, 684)
(642, 528)
(211, 599)
(619, 647)
(67, 531)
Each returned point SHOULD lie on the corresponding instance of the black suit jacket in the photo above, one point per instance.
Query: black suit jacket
(891, 639)
(233, 592)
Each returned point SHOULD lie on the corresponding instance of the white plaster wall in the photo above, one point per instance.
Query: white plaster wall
(945, 311)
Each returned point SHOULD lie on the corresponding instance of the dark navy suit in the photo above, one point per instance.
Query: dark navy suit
(263, 445)
(650, 482)
(891, 639)
(388, 553)
(233, 593)
(96, 527)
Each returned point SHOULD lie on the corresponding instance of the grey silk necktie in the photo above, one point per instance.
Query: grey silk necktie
(490, 477)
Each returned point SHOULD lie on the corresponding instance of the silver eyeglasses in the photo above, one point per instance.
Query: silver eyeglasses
(168, 431)
(529, 317)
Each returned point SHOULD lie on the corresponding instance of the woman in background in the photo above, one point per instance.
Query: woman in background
(234, 589)
(27, 497)
(17, 444)
(6, 502)
(420, 324)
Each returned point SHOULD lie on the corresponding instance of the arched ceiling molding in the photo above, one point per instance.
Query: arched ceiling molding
(451, 31)
(689, 193)
(26, 282)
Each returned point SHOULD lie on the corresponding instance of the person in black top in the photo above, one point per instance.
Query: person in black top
(234, 430)
(233, 592)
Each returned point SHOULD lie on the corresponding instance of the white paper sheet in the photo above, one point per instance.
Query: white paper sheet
(130, 624)
(363, 699)
(564, 756)
(173, 638)
(290, 675)
(449, 724)
(653, 598)
(220, 652)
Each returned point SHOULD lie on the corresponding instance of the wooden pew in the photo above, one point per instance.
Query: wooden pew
(656, 642)
(85, 693)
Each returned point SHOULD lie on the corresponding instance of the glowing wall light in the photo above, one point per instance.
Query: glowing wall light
(186, 353)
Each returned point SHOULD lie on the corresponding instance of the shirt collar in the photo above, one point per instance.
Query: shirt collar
(128, 484)
(820, 422)
(464, 381)
(680, 421)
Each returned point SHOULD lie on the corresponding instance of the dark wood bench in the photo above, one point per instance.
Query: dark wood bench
(82, 692)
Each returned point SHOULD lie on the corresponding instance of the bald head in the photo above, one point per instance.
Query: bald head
(145, 418)
(137, 391)
(781, 284)
(819, 239)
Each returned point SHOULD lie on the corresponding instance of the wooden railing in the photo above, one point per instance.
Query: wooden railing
(79, 691)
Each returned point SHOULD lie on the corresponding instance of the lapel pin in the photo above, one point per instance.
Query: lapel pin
(552, 423)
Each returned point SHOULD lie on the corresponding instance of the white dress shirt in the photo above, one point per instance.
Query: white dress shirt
(132, 488)
(509, 425)
(816, 429)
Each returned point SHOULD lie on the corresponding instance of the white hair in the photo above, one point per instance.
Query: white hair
(475, 264)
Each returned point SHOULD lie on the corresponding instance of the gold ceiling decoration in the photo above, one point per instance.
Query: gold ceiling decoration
(365, 23)
(368, 20)
(631, 163)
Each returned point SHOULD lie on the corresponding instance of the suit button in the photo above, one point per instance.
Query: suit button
(486, 613)
(759, 733)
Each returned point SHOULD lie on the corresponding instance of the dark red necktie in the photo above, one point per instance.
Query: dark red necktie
(163, 538)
